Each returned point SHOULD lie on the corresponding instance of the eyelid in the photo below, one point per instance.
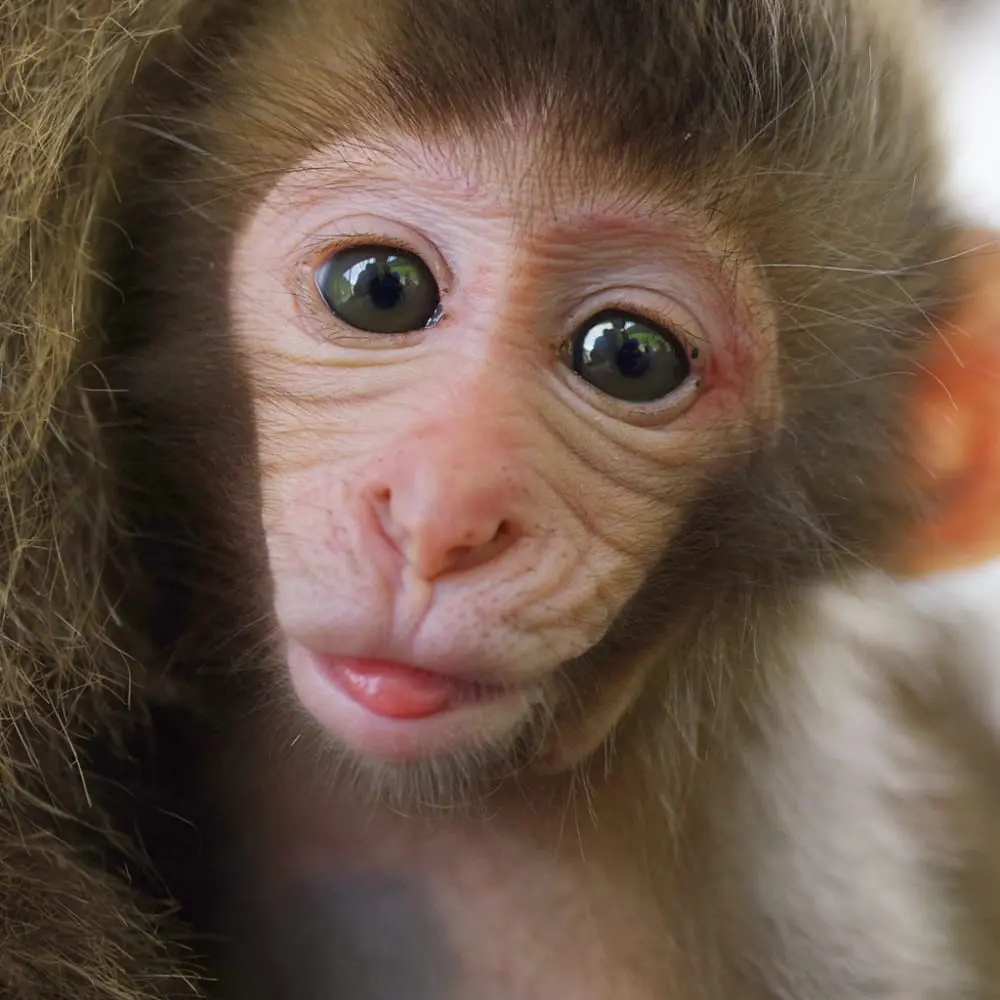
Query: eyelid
(647, 305)
(661, 411)
(352, 231)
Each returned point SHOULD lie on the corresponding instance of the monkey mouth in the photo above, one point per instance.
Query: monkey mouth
(384, 708)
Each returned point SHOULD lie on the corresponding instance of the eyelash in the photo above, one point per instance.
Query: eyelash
(693, 347)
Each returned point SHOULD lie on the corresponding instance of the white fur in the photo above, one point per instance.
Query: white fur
(845, 869)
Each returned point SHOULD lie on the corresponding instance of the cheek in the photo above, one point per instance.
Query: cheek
(363, 573)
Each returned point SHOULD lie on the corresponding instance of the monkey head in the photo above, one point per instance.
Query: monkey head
(550, 375)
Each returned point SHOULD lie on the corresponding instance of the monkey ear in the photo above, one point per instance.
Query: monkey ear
(957, 423)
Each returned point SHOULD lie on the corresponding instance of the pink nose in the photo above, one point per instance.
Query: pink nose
(446, 509)
(436, 544)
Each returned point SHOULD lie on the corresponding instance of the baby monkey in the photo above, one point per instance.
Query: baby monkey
(512, 419)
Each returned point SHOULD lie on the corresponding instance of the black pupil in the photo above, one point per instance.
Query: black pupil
(382, 286)
(632, 359)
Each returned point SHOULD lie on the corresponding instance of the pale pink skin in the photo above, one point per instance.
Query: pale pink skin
(388, 467)
(390, 464)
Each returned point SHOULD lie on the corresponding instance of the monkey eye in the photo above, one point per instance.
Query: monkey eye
(379, 289)
(628, 357)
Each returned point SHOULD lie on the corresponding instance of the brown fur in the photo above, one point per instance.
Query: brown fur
(70, 924)
(762, 112)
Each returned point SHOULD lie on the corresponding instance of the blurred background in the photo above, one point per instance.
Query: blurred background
(970, 78)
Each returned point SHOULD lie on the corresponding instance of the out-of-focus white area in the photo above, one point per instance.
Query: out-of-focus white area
(969, 73)
(967, 600)
(970, 78)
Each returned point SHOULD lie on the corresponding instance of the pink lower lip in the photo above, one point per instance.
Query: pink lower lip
(396, 690)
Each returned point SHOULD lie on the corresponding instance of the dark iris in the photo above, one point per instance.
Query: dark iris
(379, 289)
(629, 358)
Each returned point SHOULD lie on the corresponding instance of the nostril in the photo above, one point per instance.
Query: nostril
(476, 539)
(381, 507)
(479, 549)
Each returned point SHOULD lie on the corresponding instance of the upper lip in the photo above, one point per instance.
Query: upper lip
(483, 677)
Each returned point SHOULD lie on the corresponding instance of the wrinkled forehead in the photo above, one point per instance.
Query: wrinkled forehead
(516, 169)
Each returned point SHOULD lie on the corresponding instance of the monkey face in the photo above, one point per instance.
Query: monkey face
(484, 396)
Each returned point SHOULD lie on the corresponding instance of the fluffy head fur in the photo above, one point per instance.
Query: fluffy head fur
(70, 922)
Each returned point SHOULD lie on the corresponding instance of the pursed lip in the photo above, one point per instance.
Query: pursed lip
(455, 665)
(470, 711)
(400, 690)
(464, 680)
